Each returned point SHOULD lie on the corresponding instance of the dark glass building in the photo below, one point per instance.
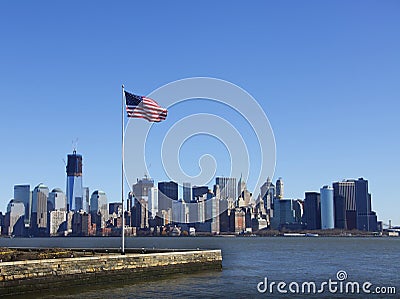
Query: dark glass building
(366, 218)
(115, 207)
(353, 206)
(167, 192)
(199, 191)
(312, 210)
(223, 216)
(23, 194)
(344, 199)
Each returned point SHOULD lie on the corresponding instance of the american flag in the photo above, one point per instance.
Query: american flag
(143, 107)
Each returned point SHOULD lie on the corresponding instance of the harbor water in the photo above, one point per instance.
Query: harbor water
(248, 262)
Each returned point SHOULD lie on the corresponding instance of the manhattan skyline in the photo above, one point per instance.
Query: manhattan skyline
(325, 75)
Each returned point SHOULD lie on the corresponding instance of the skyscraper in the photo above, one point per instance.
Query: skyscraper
(237, 221)
(23, 194)
(279, 188)
(179, 208)
(86, 199)
(241, 186)
(223, 215)
(141, 213)
(194, 210)
(213, 212)
(268, 195)
(167, 192)
(187, 192)
(58, 222)
(15, 218)
(345, 204)
(264, 188)
(142, 187)
(115, 207)
(74, 182)
(244, 196)
(312, 210)
(39, 209)
(98, 205)
(227, 187)
(153, 202)
(366, 218)
(284, 212)
(353, 205)
(57, 200)
(327, 208)
(199, 191)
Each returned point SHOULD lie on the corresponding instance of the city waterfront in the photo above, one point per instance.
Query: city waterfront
(246, 262)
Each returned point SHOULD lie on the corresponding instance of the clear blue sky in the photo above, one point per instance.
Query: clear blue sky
(326, 73)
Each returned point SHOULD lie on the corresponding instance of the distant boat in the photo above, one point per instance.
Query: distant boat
(293, 235)
(311, 235)
(300, 235)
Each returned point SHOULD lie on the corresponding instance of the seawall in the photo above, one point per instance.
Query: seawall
(33, 275)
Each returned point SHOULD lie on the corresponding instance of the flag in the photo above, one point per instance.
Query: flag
(143, 107)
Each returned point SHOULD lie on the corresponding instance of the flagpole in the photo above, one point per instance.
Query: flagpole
(122, 175)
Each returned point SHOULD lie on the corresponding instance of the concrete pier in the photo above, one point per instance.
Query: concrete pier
(21, 277)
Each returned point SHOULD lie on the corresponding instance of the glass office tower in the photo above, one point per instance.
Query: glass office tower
(74, 182)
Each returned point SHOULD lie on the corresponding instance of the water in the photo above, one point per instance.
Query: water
(246, 261)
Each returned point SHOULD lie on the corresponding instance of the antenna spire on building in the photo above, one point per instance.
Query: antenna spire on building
(75, 145)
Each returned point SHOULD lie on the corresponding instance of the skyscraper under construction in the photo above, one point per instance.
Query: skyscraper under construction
(74, 183)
